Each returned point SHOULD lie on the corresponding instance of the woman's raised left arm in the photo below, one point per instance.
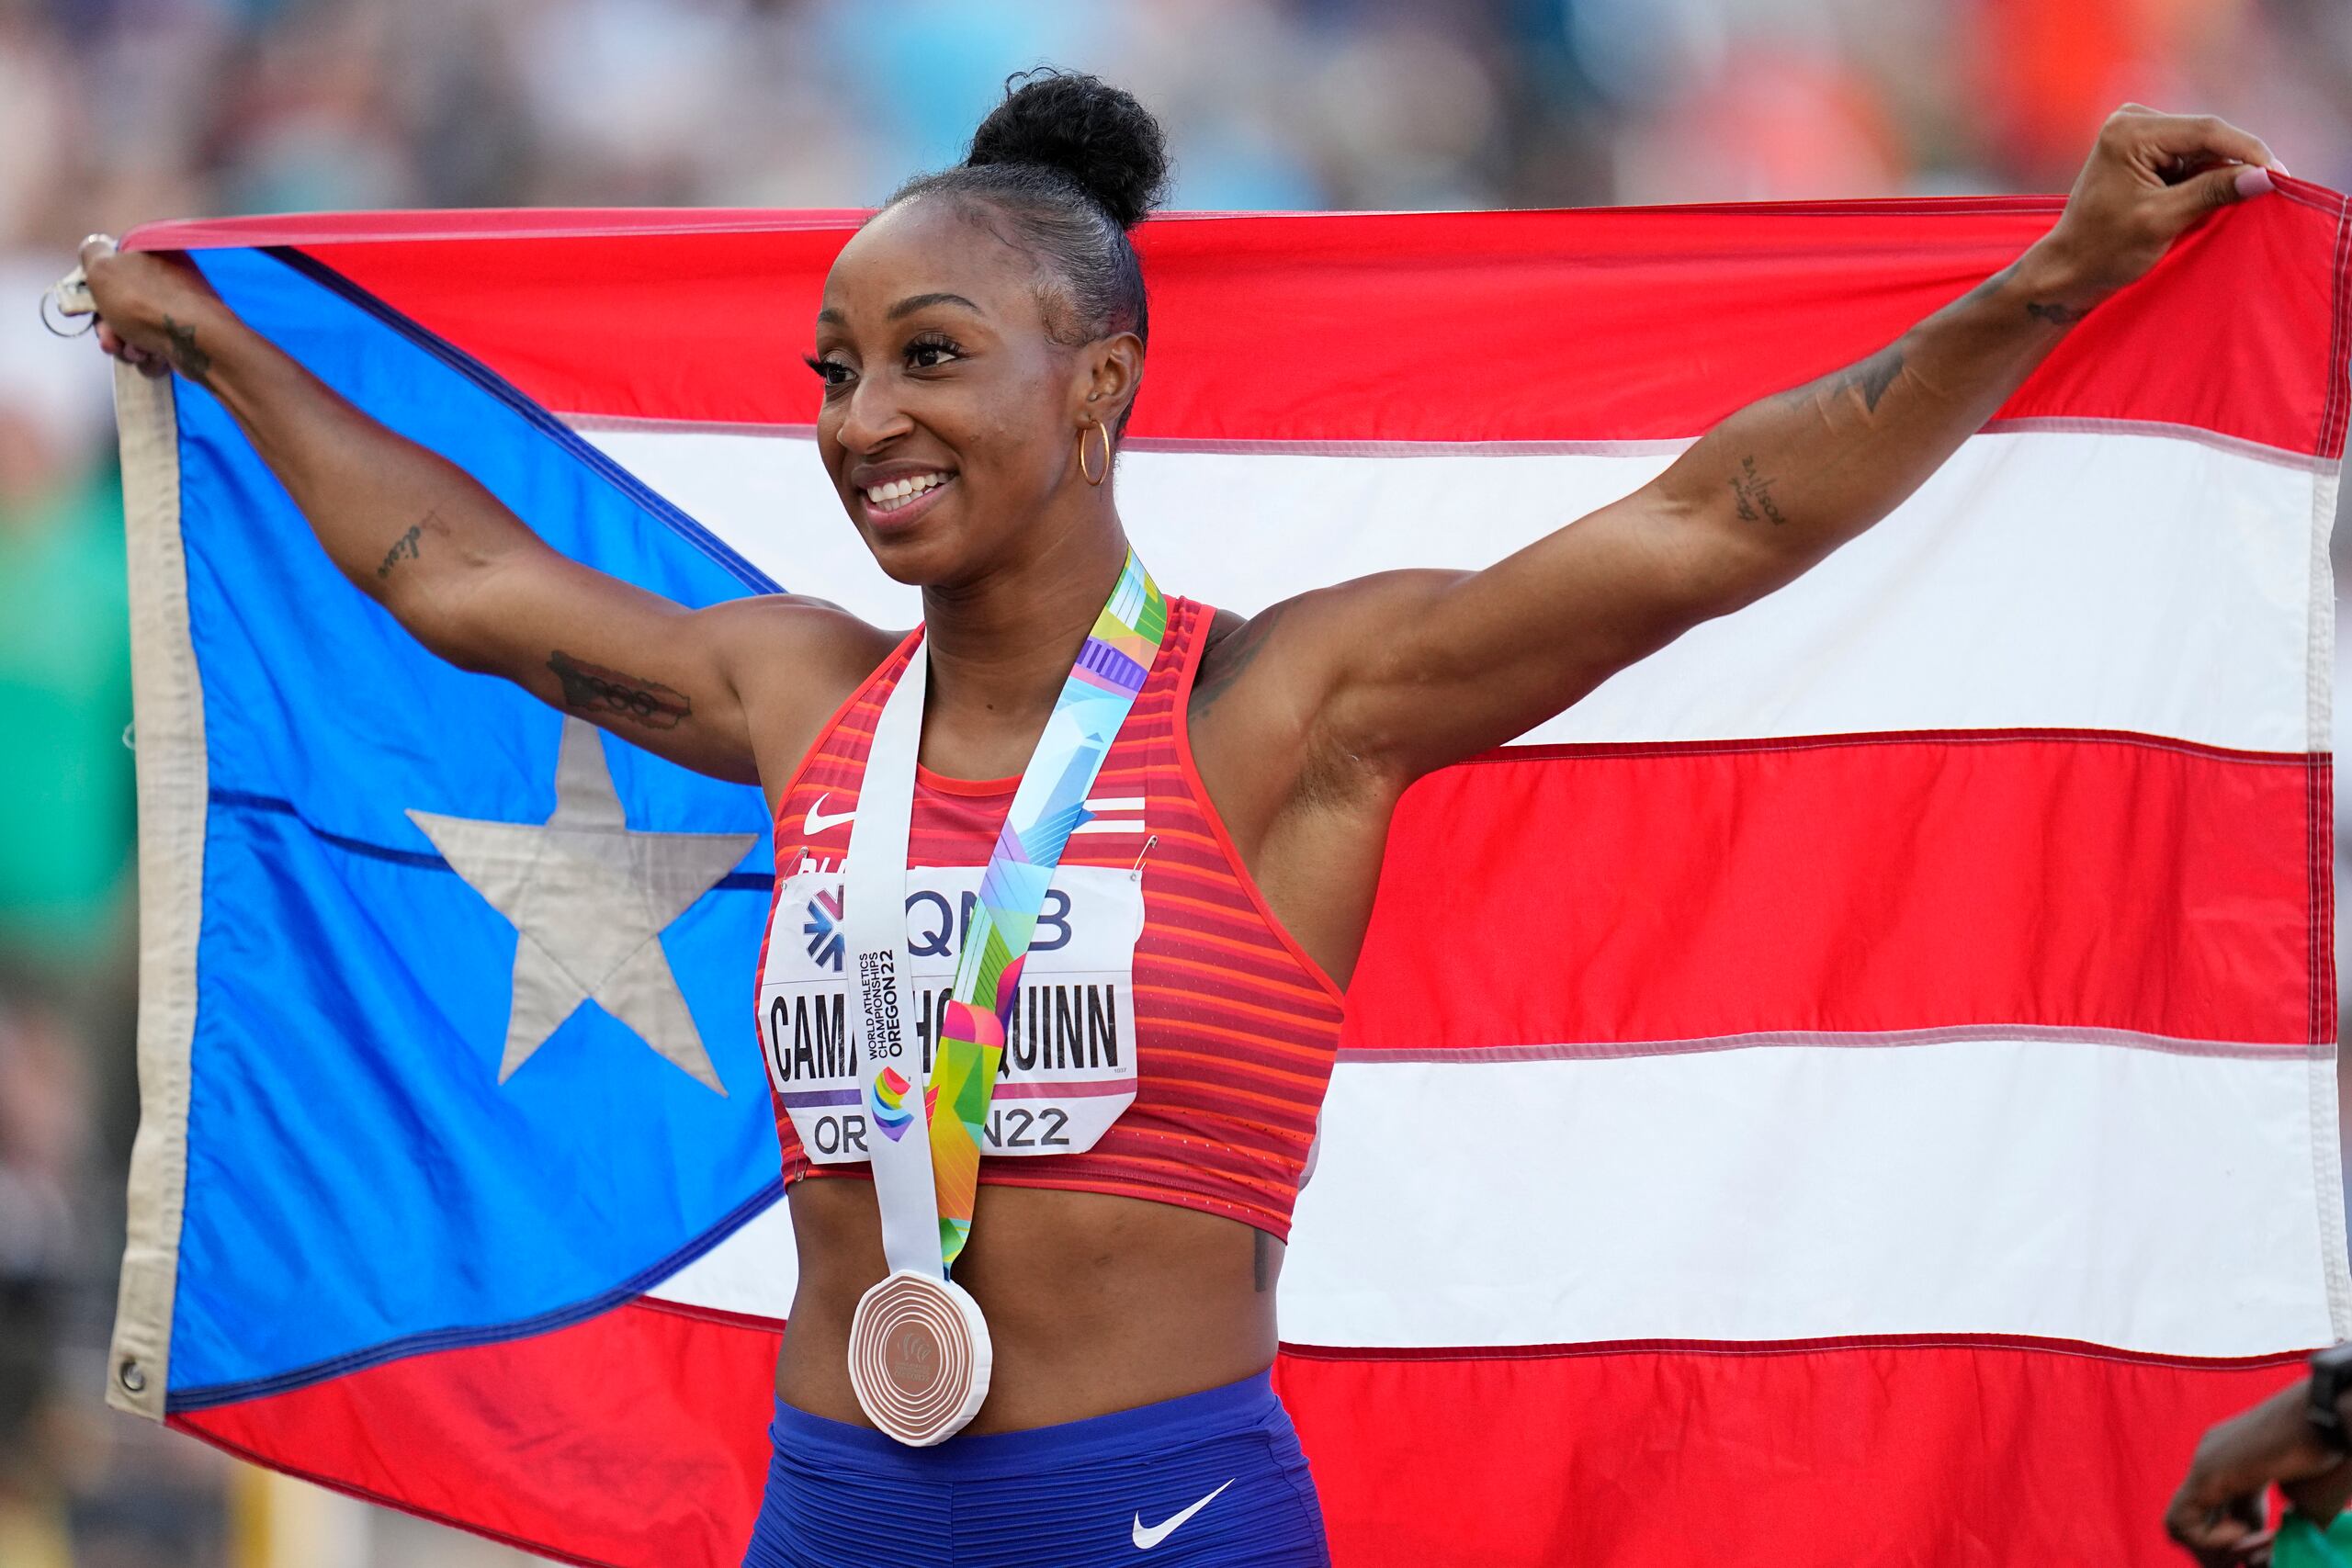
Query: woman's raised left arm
(1418, 669)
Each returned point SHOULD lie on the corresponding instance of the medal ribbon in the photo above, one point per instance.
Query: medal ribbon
(930, 1132)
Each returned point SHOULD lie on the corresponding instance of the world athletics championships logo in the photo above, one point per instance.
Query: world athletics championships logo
(823, 929)
(889, 1103)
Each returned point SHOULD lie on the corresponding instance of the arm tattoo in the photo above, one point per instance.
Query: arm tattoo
(600, 693)
(1872, 376)
(1263, 1264)
(2057, 315)
(1867, 378)
(1228, 658)
(188, 358)
(1752, 493)
(405, 547)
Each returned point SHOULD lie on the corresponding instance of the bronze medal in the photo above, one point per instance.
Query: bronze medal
(919, 1356)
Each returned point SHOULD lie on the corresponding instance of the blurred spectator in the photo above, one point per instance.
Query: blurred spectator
(65, 676)
(114, 110)
(64, 650)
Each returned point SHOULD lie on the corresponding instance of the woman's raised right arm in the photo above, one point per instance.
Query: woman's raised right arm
(465, 576)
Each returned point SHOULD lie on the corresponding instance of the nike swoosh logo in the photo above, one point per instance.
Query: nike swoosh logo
(1147, 1538)
(817, 821)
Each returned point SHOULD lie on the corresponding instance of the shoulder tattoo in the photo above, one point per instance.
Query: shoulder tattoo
(1229, 658)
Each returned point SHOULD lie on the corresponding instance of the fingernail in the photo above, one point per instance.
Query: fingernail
(2254, 180)
(2278, 168)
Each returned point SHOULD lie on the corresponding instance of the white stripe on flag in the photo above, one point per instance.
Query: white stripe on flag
(2144, 1200)
(2065, 580)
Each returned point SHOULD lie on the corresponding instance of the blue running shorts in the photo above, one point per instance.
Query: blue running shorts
(1213, 1480)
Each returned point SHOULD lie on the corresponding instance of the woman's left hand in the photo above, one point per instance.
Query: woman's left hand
(2151, 177)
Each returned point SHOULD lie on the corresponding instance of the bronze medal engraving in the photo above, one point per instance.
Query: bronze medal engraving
(913, 1357)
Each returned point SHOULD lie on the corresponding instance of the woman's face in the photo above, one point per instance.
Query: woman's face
(950, 416)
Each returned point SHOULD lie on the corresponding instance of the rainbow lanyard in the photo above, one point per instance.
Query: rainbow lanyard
(921, 1178)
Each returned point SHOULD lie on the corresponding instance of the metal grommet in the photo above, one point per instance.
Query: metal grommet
(50, 304)
(132, 1375)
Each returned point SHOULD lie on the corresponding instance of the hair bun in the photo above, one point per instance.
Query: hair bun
(1084, 128)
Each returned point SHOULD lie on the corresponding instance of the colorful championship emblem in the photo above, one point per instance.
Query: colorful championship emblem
(890, 1095)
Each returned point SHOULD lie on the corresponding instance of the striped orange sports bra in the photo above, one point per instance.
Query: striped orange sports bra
(1233, 1029)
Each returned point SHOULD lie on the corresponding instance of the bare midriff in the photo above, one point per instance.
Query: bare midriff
(1095, 1303)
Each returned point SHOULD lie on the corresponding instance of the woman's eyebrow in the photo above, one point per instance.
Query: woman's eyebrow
(831, 316)
(913, 302)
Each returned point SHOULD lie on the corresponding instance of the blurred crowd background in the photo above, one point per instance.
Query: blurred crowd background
(114, 111)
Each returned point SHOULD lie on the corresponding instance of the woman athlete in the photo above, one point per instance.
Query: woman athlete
(981, 345)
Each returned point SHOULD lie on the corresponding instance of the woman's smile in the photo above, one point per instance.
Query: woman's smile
(894, 503)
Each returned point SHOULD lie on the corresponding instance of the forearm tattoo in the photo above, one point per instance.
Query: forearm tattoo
(1752, 491)
(2050, 311)
(405, 547)
(1867, 379)
(1872, 378)
(598, 692)
(2057, 315)
(186, 357)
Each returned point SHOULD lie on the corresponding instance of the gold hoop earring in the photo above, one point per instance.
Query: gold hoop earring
(1092, 477)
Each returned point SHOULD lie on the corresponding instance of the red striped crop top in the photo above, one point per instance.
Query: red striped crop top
(1234, 1029)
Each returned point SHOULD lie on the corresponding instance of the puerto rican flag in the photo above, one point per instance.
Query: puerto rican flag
(1859, 1087)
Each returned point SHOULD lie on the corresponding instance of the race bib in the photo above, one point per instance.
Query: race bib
(1069, 1053)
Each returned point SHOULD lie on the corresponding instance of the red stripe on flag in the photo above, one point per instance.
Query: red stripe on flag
(638, 1438)
(1961, 1457)
(1615, 895)
(2339, 393)
(1597, 325)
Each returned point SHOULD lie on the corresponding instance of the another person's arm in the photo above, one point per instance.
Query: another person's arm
(1411, 670)
(460, 571)
(2218, 1512)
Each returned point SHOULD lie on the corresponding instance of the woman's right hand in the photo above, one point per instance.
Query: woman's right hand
(155, 311)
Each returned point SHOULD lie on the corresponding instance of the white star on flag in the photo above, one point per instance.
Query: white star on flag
(590, 898)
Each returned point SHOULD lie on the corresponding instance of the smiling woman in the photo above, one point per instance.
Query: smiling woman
(954, 407)
(1082, 1108)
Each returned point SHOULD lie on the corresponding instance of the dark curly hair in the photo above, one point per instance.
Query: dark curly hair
(1072, 163)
